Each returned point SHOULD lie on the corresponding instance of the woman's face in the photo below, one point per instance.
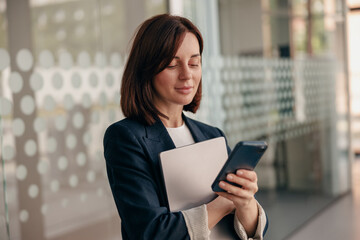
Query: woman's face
(177, 84)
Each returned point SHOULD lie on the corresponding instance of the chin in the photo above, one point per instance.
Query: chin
(186, 102)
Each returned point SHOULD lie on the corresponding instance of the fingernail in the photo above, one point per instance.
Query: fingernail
(240, 172)
(222, 184)
(230, 177)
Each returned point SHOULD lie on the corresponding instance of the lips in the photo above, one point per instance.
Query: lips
(184, 90)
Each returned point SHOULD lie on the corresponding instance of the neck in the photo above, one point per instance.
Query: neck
(174, 115)
(172, 121)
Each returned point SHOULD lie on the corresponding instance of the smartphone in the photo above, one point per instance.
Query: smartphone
(245, 155)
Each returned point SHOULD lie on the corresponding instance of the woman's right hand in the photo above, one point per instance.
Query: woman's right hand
(217, 209)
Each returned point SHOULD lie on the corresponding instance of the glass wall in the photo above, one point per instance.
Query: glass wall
(354, 68)
(273, 70)
(281, 75)
(60, 68)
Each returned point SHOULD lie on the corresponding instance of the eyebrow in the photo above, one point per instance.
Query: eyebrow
(192, 56)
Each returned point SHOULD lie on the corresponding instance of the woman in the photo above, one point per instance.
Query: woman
(162, 78)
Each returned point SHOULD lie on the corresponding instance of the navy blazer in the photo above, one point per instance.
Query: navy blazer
(131, 150)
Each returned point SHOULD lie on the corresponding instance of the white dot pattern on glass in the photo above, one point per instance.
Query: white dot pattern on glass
(49, 103)
(76, 80)
(100, 192)
(78, 120)
(68, 102)
(43, 167)
(54, 186)
(21, 172)
(4, 59)
(44, 209)
(30, 147)
(87, 138)
(36, 81)
(100, 60)
(39, 124)
(18, 127)
(27, 105)
(62, 163)
(24, 215)
(79, 15)
(110, 79)
(86, 100)
(8, 152)
(24, 60)
(60, 122)
(5, 107)
(95, 117)
(102, 99)
(115, 60)
(33, 191)
(73, 180)
(81, 159)
(71, 141)
(46, 59)
(57, 81)
(15, 82)
(65, 60)
(112, 115)
(117, 98)
(90, 176)
(93, 79)
(51, 144)
(83, 59)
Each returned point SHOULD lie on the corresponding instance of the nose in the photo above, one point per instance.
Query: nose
(185, 72)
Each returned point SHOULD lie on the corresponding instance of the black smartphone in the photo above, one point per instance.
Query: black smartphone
(245, 155)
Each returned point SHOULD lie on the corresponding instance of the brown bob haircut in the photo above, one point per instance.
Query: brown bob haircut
(154, 47)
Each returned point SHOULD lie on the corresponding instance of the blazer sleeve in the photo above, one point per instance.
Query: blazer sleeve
(135, 191)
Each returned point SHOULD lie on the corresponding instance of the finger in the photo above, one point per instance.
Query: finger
(248, 174)
(237, 191)
(243, 182)
(226, 195)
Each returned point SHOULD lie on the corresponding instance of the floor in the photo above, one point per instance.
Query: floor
(298, 215)
(341, 220)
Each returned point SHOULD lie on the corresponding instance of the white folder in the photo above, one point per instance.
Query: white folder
(190, 170)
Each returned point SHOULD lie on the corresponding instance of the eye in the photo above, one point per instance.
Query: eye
(194, 64)
(171, 66)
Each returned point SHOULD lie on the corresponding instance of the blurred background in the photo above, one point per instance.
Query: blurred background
(284, 71)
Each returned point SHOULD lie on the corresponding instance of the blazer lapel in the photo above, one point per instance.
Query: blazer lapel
(197, 134)
(157, 140)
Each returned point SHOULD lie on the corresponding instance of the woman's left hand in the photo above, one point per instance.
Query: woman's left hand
(243, 197)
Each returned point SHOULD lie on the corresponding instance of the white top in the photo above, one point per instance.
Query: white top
(181, 136)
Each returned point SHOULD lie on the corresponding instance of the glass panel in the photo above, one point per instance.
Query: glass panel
(4, 109)
(354, 65)
(60, 90)
(4, 221)
(60, 79)
(296, 99)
